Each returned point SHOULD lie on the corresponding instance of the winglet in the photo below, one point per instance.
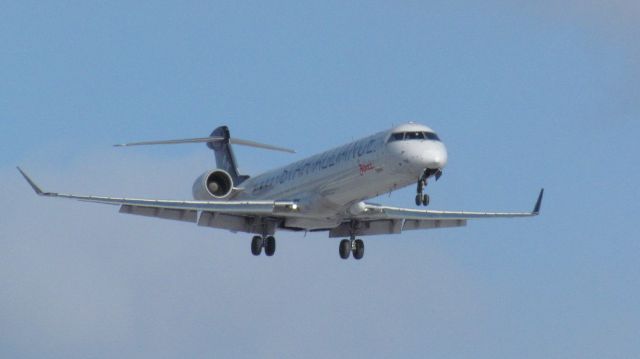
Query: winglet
(536, 209)
(33, 185)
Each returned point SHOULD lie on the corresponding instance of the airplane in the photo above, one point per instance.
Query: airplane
(327, 192)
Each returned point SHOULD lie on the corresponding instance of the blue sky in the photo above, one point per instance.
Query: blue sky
(524, 96)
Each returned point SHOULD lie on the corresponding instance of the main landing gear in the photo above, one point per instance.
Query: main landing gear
(259, 242)
(421, 197)
(348, 246)
(352, 245)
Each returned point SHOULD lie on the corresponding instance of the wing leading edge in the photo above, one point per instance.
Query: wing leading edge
(386, 212)
(128, 204)
(377, 219)
(249, 216)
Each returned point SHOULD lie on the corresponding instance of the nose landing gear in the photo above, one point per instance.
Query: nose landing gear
(421, 197)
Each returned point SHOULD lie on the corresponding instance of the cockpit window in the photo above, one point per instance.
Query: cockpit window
(414, 135)
(431, 136)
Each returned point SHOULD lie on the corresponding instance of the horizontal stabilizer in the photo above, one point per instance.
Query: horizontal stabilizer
(171, 142)
(237, 141)
(211, 139)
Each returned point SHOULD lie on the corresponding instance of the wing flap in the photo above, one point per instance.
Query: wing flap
(368, 228)
(413, 224)
(164, 213)
(373, 212)
(378, 219)
(238, 223)
(173, 208)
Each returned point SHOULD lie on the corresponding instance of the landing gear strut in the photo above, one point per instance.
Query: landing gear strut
(259, 242)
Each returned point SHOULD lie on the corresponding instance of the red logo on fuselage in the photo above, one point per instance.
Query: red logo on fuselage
(364, 168)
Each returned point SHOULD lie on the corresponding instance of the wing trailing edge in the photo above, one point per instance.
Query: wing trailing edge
(229, 207)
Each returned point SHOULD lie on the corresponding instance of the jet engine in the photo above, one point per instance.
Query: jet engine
(215, 184)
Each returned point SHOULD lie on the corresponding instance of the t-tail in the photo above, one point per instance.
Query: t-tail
(225, 160)
(220, 142)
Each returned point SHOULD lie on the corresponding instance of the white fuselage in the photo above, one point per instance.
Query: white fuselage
(329, 185)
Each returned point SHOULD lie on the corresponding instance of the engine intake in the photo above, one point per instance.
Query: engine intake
(216, 184)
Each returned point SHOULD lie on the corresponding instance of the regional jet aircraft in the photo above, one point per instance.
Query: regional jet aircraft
(326, 192)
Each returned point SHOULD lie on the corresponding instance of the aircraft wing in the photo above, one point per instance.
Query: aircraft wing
(262, 216)
(378, 219)
(177, 209)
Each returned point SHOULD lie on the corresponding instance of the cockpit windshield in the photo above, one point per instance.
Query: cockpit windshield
(413, 135)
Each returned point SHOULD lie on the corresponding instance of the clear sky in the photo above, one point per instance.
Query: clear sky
(524, 96)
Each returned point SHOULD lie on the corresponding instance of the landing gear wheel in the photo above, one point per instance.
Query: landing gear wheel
(358, 249)
(418, 199)
(270, 246)
(256, 245)
(345, 248)
(425, 200)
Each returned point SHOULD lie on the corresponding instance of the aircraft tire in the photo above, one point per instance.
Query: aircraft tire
(256, 245)
(358, 251)
(344, 248)
(425, 200)
(418, 199)
(270, 246)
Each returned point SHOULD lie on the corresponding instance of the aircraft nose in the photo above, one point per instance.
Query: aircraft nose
(435, 159)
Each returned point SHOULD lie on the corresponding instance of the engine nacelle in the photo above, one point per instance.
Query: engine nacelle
(215, 184)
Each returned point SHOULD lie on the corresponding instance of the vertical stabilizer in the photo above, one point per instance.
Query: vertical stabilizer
(225, 160)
